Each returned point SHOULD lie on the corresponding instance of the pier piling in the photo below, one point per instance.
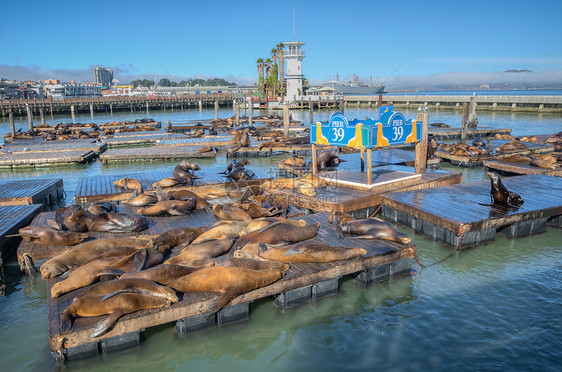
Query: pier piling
(73, 113)
(464, 124)
(311, 108)
(421, 147)
(12, 125)
(29, 116)
(216, 110)
(42, 115)
(286, 120)
(250, 112)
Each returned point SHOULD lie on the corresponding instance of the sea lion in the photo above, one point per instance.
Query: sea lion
(129, 184)
(48, 235)
(185, 169)
(515, 159)
(500, 195)
(86, 252)
(61, 214)
(269, 144)
(440, 125)
(234, 144)
(146, 198)
(172, 181)
(171, 207)
(549, 158)
(301, 252)
(477, 141)
(541, 163)
(240, 173)
(102, 207)
(199, 251)
(175, 237)
(131, 285)
(206, 148)
(164, 273)
(83, 220)
(221, 228)
(115, 307)
(295, 161)
(257, 211)
(230, 212)
(227, 281)
(245, 137)
(368, 228)
(181, 194)
(278, 233)
(299, 140)
(229, 167)
(260, 223)
(328, 158)
(91, 272)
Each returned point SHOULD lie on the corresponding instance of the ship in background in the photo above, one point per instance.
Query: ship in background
(353, 87)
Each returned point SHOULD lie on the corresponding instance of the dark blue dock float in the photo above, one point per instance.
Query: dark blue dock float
(453, 215)
(13, 218)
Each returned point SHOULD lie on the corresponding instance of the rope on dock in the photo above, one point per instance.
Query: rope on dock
(27, 265)
(460, 235)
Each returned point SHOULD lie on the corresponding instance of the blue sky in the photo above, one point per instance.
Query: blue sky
(422, 39)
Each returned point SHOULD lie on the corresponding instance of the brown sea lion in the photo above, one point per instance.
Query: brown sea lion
(234, 144)
(185, 169)
(221, 228)
(83, 220)
(245, 137)
(206, 148)
(368, 228)
(260, 223)
(115, 307)
(239, 173)
(102, 207)
(278, 233)
(199, 251)
(164, 274)
(229, 167)
(172, 181)
(90, 272)
(227, 281)
(541, 163)
(129, 184)
(175, 237)
(301, 252)
(61, 214)
(500, 195)
(295, 161)
(440, 125)
(48, 235)
(181, 194)
(269, 145)
(328, 158)
(546, 157)
(170, 207)
(230, 212)
(146, 198)
(86, 252)
(131, 285)
(257, 211)
(515, 159)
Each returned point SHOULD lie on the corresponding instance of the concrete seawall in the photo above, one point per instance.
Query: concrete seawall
(492, 103)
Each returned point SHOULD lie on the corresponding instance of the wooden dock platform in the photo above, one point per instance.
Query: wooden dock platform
(46, 158)
(13, 218)
(101, 188)
(254, 151)
(511, 169)
(305, 279)
(154, 153)
(47, 146)
(476, 161)
(138, 138)
(218, 141)
(123, 124)
(361, 203)
(452, 214)
(452, 133)
(45, 191)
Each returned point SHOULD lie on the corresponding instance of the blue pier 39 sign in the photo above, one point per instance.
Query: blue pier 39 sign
(391, 129)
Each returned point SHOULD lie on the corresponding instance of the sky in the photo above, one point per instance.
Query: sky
(399, 43)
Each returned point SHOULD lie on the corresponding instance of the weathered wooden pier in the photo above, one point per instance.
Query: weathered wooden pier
(454, 133)
(520, 169)
(44, 191)
(13, 218)
(455, 215)
(154, 153)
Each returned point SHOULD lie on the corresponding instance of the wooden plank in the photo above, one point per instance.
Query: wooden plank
(451, 133)
(522, 168)
(154, 153)
(31, 159)
(30, 191)
(13, 218)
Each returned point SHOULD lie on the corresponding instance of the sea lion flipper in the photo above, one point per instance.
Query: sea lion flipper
(111, 271)
(140, 259)
(295, 249)
(218, 303)
(105, 324)
(109, 295)
(339, 233)
(54, 224)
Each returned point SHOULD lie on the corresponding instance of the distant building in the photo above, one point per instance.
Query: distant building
(52, 81)
(103, 76)
(294, 56)
(72, 90)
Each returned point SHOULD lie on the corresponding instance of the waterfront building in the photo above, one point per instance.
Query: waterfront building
(103, 76)
(72, 90)
(294, 78)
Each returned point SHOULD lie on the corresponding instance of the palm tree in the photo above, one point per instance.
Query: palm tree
(267, 63)
(260, 63)
(280, 55)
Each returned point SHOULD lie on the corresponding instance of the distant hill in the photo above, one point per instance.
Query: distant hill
(518, 71)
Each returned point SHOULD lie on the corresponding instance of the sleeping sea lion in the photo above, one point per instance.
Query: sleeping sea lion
(368, 228)
(129, 184)
(102, 207)
(227, 281)
(230, 212)
(170, 207)
(181, 194)
(172, 181)
(48, 235)
(301, 252)
(131, 285)
(542, 163)
(221, 228)
(260, 223)
(175, 237)
(83, 220)
(295, 161)
(278, 233)
(199, 251)
(146, 198)
(88, 251)
(257, 211)
(206, 148)
(115, 307)
(500, 195)
(164, 273)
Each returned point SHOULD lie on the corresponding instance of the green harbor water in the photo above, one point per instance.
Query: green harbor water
(494, 307)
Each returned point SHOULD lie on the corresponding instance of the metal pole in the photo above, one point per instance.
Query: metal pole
(369, 167)
(251, 112)
(464, 124)
(216, 110)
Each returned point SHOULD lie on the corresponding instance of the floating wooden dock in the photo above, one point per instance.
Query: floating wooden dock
(101, 188)
(45, 191)
(511, 169)
(254, 151)
(452, 133)
(138, 138)
(13, 218)
(476, 161)
(217, 141)
(46, 158)
(302, 282)
(46, 146)
(454, 215)
(154, 153)
(123, 124)
(361, 203)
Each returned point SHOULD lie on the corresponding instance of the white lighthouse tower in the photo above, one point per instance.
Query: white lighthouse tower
(293, 57)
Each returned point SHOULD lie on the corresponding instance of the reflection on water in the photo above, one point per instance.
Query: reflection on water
(496, 306)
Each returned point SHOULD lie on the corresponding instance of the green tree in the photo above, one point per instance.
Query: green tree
(164, 82)
(260, 64)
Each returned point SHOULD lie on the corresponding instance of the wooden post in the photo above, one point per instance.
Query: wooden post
(380, 100)
(72, 113)
(421, 147)
(464, 124)
(311, 107)
(42, 115)
(29, 116)
(200, 105)
(111, 109)
(362, 159)
(369, 166)
(236, 114)
(472, 110)
(12, 125)
(51, 110)
(216, 110)
(92, 111)
(286, 120)
(147, 109)
(342, 108)
(251, 112)
(314, 165)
